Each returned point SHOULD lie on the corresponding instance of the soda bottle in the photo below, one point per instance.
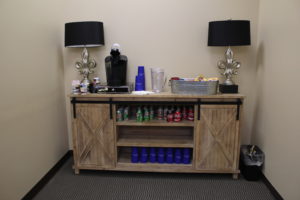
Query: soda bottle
(191, 114)
(120, 114)
(170, 117)
(139, 115)
(146, 114)
(160, 113)
(177, 115)
(165, 113)
(126, 113)
(151, 113)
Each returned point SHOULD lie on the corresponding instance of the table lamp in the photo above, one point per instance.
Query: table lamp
(84, 34)
(229, 33)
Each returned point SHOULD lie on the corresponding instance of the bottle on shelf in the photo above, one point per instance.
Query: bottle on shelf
(170, 116)
(160, 113)
(165, 113)
(120, 114)
(134, 154)
(177, 115)
(151, 112)
(126, 114)
(139, 115)
(191, 114)
(146, 114)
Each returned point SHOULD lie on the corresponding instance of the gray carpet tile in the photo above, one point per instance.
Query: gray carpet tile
(92, 185)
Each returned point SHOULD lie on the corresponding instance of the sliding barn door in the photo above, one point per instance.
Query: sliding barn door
(93, 137)
(217, 138)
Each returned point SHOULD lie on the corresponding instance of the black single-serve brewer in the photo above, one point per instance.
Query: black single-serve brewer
(116, 67)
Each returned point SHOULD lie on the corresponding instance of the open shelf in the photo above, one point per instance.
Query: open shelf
(124, 163)
(155, 141)
(181, 137)
(184, 123)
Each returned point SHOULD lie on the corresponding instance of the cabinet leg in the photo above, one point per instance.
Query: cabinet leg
(235, 176)
(76, 170)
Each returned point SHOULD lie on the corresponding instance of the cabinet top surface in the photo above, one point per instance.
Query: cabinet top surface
(159, 95)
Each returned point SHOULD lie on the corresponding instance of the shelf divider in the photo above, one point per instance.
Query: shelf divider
(155, 141)
(184, 123)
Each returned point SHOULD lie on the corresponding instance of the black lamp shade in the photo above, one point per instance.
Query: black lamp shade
(84, 34)
(229, 33)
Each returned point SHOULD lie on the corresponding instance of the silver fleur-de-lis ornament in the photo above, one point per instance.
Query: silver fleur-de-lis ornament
(86, 66)
(229, 67)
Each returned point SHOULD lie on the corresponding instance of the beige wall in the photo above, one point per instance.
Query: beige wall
(170, 34)
(277, 111)
(33, 131)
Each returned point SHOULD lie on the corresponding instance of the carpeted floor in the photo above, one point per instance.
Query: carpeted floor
(90, 185)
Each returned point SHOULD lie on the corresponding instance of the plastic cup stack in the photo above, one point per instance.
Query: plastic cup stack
(140, 79)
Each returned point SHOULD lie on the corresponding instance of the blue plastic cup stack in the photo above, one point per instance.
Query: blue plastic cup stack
(144, 155)
(140, 79)
(152, 155)
(134, 155)
(178, 156)
(169, 155)
(161, 155)
(186, 156)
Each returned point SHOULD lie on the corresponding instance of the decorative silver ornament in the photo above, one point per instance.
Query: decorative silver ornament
(229, 67)
(86, 66)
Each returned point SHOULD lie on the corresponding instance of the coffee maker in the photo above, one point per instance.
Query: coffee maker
(116, 67)
(116, 72)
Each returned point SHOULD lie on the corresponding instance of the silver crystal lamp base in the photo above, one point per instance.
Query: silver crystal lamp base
(85, 66)
(229, 67)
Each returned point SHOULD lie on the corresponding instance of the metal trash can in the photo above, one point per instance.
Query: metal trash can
(251, 162)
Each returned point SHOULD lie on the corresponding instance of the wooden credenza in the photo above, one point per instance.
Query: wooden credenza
(100, 142)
